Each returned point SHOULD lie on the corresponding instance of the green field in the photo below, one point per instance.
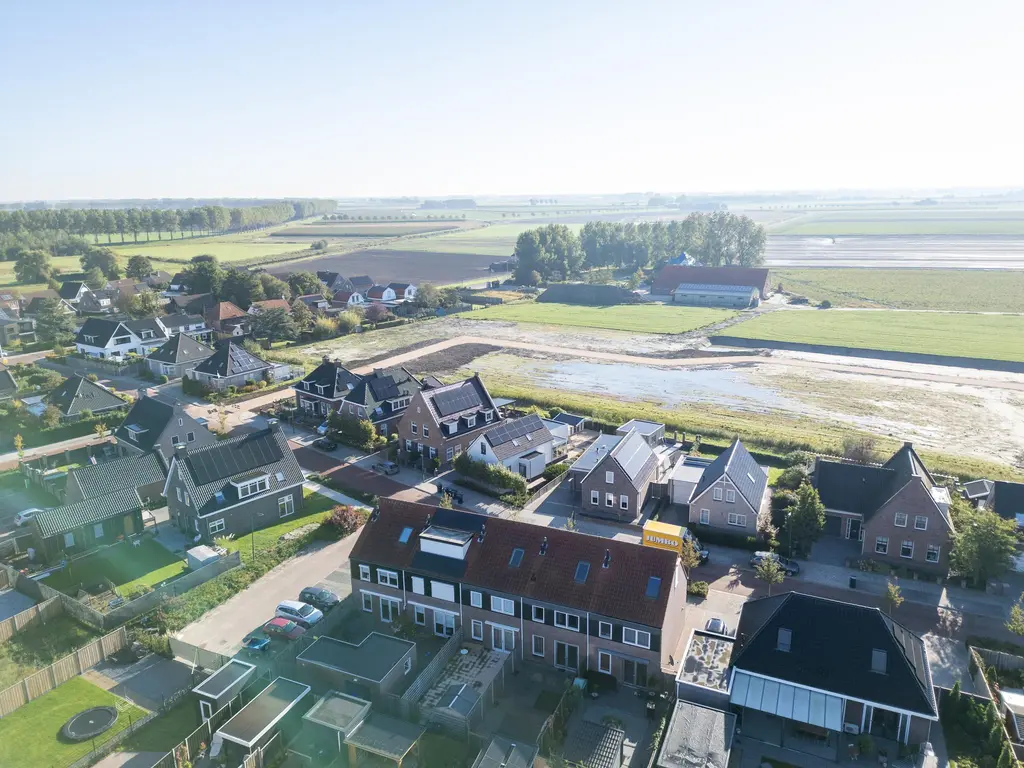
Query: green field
(636, 318)
(227, 248)
(945, 289)
(29, 736)
(905, 220)
(495, 240)
(367, 229)
(995, 337)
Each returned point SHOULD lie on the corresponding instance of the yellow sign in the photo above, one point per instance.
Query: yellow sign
(663, 536)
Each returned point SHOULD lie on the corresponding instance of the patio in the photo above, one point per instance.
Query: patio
(622, 709)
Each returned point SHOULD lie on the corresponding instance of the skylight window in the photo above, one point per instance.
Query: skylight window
(517, 558)
(653, 587)
(219, 496)
(582, 570)
(404, 537)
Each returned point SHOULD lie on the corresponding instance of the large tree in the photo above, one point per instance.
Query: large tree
(145, 304)
(428, 296)
(983, 546)
(32, 266)
(241, 287)
(275, 325)
(103, 259)
(805, 520)
(54, 324)
(274, 287)
(306, 283)
(302, 316)
(205, 275)
(94, 278)
(139, 266)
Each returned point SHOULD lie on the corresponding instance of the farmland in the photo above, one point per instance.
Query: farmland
(996, 337)
(905, 220)
(238, 249)
(367, 229)
(63, 263)
(385, 266)
(497, 240)
(942, 289)
(638, 318)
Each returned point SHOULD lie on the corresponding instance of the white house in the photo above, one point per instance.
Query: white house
(524, 446)
(403, 291)
(381, 294)
(559, 432)
(191, 325)
(106, 338)
(348, 299)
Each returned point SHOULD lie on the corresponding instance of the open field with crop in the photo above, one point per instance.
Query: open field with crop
(227, 248)
(385, 265)
(896, 251)
(642, 318)
(496, 240)
(944, 289)
(367, 229)
(905, 220)
(996, 337)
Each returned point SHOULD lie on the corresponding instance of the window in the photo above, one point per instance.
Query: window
(403, 537)
(477, 630)
(178, 491)
(582, 571)
(737, 519)
(188, 501)
(471, 421)
(97, 530)
(718, 494)
(595, 498)
(476, 599)
(623, 501)
(636, 637)
(907, 550)
(389, 609)
(932, 555)
(387, 578)
(488, 415)
(286, 506)
(216, 526)
(609, 499)
(901, 519)
(364, 573)
(433, 452)
(190, 437)
(538, 645)
(604, 662)
(483, 448)
(419, 615)
(538, 614)
(251, 488)
(517, 557)
(920, 522)
(413, 428)
(653, 587)
(175, 439)
(567, 621)
(408, 665)
(181, 422)
(730, 496)
(367, 602)
(418, 587)
(426, 430)
(705, 517)
(448, 453)
(503, 605)
(408, 446)
(882, 545)
(604, 630)
(609, 477)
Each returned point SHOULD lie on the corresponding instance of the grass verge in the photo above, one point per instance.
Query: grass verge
(636, 318)
(37, 648)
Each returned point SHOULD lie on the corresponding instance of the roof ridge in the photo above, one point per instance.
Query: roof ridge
(891, 622)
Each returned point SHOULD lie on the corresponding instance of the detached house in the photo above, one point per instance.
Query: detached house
(179, 283)
(107, 338)
(78, 395)
(550, 596)
(613, 477)
(234, 486)
(101, 302)
(230, 366)
(315, 302)
(524, 446)
(403, 291)
(193, 325)
(442, 422)
(75, 528)
(143, 472)
(896, 510)
(227, 319)
(177, 355)
(348, 299)
(72, 291)
(732, 493)
(380, 294)
(152, 424)
(334, 281)
(381, 396)
(361, 283)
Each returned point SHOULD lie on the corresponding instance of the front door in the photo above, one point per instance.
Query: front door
(634, 673)
(853, 528)
(444, 624)
(206, 710)
(567, 656)
(503, 639)
(129, 525)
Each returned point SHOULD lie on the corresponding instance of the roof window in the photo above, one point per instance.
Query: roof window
(219, 496)
(785, 640)
(582, 571)
(879, 661)
(653, 587)
(517, 557)
(404, 536)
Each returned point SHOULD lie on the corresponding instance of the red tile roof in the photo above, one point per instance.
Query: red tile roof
(618, 591)
(672, 275)
(343, 296)
(223, 310)
(272, 304)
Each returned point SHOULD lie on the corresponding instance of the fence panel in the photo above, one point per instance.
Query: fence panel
(30, 617)
(1000, 660)
(433, 670)
(197, 656)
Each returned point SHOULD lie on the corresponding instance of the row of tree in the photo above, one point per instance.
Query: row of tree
(709, 239)
(132, 222)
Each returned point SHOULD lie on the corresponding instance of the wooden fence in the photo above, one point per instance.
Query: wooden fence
(72, 665)
(37, 614)
(426, 679)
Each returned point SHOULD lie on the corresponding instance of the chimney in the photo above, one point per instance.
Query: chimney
(908, 445)
(607, 558)
(483, 532)
(544, 546)
(180, 448)
(327, 358)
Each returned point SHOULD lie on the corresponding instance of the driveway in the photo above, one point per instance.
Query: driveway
(147, 682)
(352, 475)
(223, 629)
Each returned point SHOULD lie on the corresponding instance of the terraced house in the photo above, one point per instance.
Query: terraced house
(441, 422)
(550, 596)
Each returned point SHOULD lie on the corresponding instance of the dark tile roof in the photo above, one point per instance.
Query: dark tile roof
(152, 416)
(127, 473)
(517, 435)
(452, 402)
(569, 418)
(671, 275)
(865, 488)
(736, 463)
(594, 745)
(180, 320)
(70, 289)
(978, 489)
(69, 517)
(180, 278)
(102, 328)
(335, 379)
(1007, 499)
(35, 304)
(211, 468)
(193, 303)
(361, 281)
(78, 394)
(180, 348)
(634, 457)
(151, 324)
(8, 386)
(232, 359)
(618, 591)
(831, 649)
(907, 464)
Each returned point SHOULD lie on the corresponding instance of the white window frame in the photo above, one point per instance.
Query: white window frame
(97, 530)
(918, 519)
(565, 622)
(190, 437)
(609, 477)
(426, 430)
(537, 613)
(623, 501)
(635, 637)
(604, 630)
(389, 601)
(595, 498)
(413, 428)
(705, 517)
(730, 495)
(476, 630)
(408, 446)
(609, 500)
(903, 545)
(533, 645)
(735, 518)
(419, 586)
(448, 453)
(938, 553)
(897, 522)
(883, 542)
(476, 599)
(288, 505)
(367, 602)
(188, 501)
(387, 578)
(364, 572)
(717, 494)
(216, 526)
(471, 421)
(499, 604)
(177, 490)
(419, 615)
(601, 657)
(253, 487)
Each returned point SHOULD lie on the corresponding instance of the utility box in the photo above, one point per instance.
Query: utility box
(202, 555)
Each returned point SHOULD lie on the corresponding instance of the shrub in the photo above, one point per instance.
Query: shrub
(92, 377)
(164, 378)
(494, 475)
(794, 458)
(697, 588)
(825, 304)
(261, 384)
(351, 430)
(792, 478)
(343, 521)
(709, 535)
(554, 470)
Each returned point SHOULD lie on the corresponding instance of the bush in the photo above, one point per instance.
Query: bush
(164, 379)
(697, 588)
(825, 304)
(792, 478)
(158, 644)
(351, 430)
(794, 458)
(92, 377)
(554, 470)
(709, 535)
(495, 475)
(343, 521)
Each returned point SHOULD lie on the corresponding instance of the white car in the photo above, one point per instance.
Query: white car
(303, 614)
(25, 515)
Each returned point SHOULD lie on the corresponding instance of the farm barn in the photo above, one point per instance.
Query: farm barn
(708, 295)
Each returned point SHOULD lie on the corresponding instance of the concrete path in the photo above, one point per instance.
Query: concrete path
(340, 498)
(130, 760)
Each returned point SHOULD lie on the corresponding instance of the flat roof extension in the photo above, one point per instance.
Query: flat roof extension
(261, 714)
(371, 659)
(216, 684)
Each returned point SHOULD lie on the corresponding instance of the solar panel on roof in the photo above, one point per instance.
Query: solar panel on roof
(513, 430)
(230, 459)
(460, 399)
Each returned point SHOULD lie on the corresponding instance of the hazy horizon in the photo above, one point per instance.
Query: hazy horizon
(389, 99)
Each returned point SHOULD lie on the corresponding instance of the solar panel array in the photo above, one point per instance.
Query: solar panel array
(228, 459)
(633, 454)
(461, 398)
(513, 430)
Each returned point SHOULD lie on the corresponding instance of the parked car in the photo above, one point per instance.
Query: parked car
(450, 491)
(716, 625)
(289, 630)
(322, 429)
(791, 567)
(386, 467)
(319, 597)
(304, 614)
(324, 444)
(702, 552)
(25, 515)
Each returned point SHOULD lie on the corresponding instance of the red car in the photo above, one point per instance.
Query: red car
(289, 630)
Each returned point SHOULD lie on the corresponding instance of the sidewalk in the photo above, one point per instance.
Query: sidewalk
(340, 498)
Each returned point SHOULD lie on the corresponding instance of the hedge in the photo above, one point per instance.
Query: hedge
(697, 588)
(709, 535)
(494, 475)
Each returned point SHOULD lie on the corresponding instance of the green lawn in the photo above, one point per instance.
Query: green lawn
(330, 229)
(227, 248)
(149, 564)
(637, 318)
(905, 220)
(29, 736)
(36, 648)
(164, 733)
(315, 509)
(996, 337)
(976, 290)
(7, 279)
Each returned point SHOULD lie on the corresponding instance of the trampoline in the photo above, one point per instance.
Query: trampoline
(89, 723)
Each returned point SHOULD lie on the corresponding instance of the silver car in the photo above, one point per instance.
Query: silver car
(303, 614)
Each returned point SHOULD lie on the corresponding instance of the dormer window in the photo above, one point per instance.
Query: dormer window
(471, 421)
(321, 388)
(452, 426)
(122, 339)
(247, 488)
(90, 339)
(147, 334)
(488, 415)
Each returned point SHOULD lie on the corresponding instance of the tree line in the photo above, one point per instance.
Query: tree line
(709, 239)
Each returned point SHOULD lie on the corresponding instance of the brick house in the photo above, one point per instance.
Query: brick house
(613, 477)
(155, 425)
(441, 422)
(896, 511)
(732, 493)
(381, 396)
(551, 596)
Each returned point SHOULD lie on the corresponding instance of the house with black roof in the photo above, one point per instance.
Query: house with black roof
(143, 472)
(193, 325)
(77, 527)
(231, 365)
(72, 291)
(177, 355)
(732, 493)
(234, 486)
(107, 338)
(896, 511)
(524, 446)
(380, 396)
(1003, 497)
(334, 281)
(361, 283)
(99, 302)
(442, 422)
(153, 424)
(77, 395)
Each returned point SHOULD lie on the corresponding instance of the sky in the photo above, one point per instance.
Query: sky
(330, 99)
